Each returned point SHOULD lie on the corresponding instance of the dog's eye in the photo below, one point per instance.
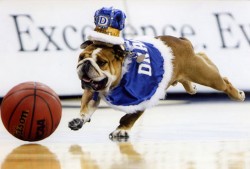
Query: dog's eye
(80, 58)
(101, 63)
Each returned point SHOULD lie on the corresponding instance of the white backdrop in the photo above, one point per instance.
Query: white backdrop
(39, 40)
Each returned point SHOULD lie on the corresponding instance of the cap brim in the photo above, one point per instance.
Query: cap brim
(96, 36)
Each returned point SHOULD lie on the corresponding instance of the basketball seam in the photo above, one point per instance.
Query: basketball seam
(14, 110)
(50, 95)
(7, 96)
(51, 116)
(32, 89)
(33, 111)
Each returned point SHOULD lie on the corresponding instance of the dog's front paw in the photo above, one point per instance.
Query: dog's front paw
(76, 124)
(119, 133)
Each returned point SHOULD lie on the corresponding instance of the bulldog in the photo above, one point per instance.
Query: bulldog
(122, 75)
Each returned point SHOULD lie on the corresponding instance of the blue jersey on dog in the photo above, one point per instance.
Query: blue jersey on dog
(141, 80)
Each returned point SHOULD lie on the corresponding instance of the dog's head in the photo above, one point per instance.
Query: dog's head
(100, 65)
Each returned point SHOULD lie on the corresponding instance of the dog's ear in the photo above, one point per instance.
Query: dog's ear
(120, 52)
(85, 44)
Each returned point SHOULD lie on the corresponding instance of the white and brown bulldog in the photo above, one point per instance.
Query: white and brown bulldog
(103, 70)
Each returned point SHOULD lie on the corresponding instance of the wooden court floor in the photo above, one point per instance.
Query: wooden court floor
(173, 135)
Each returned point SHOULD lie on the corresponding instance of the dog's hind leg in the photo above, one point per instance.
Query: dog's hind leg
(203, 71)
(126, 123)
(232, 92)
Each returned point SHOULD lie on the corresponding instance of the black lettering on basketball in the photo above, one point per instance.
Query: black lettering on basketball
(40, 128)
(20, 127)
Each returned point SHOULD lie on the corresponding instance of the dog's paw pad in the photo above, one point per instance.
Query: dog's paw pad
(75, 124)
(242, 96)
(119, 133)
(193, 89)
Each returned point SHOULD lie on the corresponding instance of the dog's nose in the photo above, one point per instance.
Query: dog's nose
(86, 66)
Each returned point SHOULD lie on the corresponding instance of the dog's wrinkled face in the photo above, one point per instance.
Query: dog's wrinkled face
(99, 66)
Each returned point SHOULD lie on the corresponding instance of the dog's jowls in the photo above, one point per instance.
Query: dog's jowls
(101, 67)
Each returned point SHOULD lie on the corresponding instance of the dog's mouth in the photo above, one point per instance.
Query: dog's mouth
(95, 85)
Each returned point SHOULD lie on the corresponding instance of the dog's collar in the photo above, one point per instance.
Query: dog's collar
(129, 50)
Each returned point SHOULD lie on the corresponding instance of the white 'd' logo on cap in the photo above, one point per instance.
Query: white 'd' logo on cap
(103, 21)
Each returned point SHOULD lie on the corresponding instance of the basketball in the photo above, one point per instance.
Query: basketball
(31, 111)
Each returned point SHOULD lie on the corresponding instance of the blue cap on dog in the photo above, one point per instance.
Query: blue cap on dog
(109, 22)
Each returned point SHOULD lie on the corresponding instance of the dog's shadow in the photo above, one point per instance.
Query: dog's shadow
(85, 158)
(128, 157)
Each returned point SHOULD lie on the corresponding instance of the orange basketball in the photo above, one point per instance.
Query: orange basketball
(31, 111)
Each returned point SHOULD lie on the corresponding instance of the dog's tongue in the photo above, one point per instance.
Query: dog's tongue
(87, 80)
